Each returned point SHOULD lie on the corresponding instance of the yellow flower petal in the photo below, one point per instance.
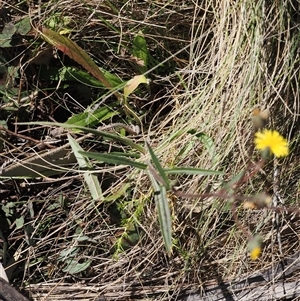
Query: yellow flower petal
(255, 253)
(272, 140)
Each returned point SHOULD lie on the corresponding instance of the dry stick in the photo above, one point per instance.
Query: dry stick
(26, 137)
(275, 218)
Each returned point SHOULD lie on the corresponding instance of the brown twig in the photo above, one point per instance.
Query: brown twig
(37, 142)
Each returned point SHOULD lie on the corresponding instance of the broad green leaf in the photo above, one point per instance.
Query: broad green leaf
(72, 73)
(67, 253)
(72, 50)
(74, 267)
(207, 141)
(140, 51)
(192, 171)
(9, 29)
(164, 216)
(19, 222)
(132, 84)
(114, 80)
(113, 159)
(23, 26)
(90, 179)
(5, 40)
(88, 119)
(159, 168)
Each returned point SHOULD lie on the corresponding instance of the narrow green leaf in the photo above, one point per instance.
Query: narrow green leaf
(130, 155)
(89, 119)
(234, 180)
(192, 171)
(76, 148)
(164, 216)
(159, 168)
(90, 179)
(113, 159)
(72, 73)
(94, 186)
(115, 195)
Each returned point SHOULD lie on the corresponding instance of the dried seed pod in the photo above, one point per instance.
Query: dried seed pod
(260, 118)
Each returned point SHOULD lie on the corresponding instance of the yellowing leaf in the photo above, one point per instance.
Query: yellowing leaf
(133, 84)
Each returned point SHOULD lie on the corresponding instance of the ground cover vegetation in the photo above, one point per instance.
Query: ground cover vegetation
(149, 149)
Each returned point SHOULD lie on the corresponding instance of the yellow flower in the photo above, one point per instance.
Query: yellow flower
(255, 253)
(272, 140)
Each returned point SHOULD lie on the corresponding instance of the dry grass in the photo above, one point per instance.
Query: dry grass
(221, 60)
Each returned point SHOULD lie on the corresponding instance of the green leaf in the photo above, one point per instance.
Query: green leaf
(234, 180)
(67, 253)
(83, 238)
(90, 179)
(113, 159)
(114, 80)
(5, 40)
(207, 141)
(131, 155)
(19, 222)
(9, 29)
(23, 26)
(159, 168)
(88, 119)
(117, 194)
(140, 51)
(74, 267)
(72, 73)
(164, 216)
(192, 171)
